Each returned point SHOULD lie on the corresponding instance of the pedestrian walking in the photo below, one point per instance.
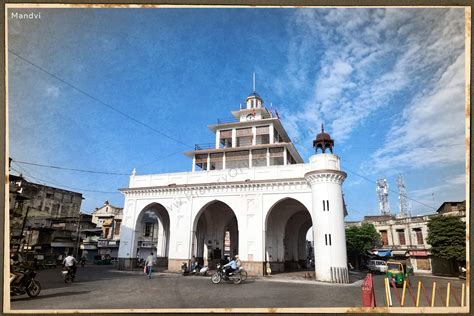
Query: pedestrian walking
(149, 264)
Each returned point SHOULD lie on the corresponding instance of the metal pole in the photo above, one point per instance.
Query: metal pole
(433, 294)
(463, 289)
(403, 292)
(418, 294)
(78, 231)
(448, 290)
(23, 228)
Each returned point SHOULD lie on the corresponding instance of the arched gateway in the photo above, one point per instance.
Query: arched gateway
(251, 194)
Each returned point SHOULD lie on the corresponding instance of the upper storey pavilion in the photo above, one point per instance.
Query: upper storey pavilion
(253, 138)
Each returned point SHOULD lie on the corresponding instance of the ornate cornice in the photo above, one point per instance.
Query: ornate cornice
(323, 176)
(212, 188)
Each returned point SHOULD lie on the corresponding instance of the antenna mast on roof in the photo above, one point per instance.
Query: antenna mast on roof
(382, 193)
(402, 196)
(254, 82)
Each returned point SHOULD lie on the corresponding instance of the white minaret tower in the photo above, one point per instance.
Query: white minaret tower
(326, 180)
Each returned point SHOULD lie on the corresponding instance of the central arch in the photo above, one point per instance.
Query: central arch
(152, 233)
(286, 226)
(215, 233)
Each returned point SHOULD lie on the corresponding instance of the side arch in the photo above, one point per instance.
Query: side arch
(152, 233)
(215, 232)
(286, 224)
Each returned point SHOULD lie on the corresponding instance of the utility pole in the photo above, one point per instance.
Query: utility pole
(22, 229)
(78, 236)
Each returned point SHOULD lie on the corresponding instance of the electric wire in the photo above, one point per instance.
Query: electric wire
(97, 99)
(375, 182)
(70, 169)
(23, 172)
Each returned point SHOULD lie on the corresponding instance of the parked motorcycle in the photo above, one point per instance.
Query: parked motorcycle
(68, 274)
(28, 285)
(197, 270)
(220, 275)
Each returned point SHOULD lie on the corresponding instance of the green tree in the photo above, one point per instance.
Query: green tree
(360, 239)
(447, 237)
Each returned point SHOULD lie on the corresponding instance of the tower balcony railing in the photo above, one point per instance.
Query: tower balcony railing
(204, 146)
(226, 120)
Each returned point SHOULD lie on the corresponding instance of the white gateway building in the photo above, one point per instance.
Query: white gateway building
(249, 194)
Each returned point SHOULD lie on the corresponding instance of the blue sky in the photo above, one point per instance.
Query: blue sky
(388, 84)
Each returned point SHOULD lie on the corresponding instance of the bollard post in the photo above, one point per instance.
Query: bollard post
(463, 292)
(368, 293)
(403, 293)
(433, 294)
(448, 290)
(418, 294)
(388, 295)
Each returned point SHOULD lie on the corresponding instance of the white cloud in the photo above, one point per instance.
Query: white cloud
(52, 92)
(431, 130)
(366, 59)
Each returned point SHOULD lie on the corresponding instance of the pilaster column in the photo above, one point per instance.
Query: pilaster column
(285, 156)
(208, 162)
(223, 160)
(268, 157)
(218, 138)
(234, 138)
(194, 163)
(271, 133)
(254, 135)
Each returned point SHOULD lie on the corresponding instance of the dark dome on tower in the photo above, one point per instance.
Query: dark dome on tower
(323, 141)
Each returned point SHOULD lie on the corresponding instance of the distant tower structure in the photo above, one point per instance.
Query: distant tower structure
(382, 193)
(402, 196)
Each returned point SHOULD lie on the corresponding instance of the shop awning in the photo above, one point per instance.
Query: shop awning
(384, 253)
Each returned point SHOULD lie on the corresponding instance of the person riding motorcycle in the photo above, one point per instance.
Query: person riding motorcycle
(237, 261)
(230, 267)
(16, 268)
(70, 263)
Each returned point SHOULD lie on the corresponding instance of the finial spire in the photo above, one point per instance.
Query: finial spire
(254, 82)
(322, 127)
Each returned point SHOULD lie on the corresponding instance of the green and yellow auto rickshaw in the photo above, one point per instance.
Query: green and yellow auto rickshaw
(398, 272)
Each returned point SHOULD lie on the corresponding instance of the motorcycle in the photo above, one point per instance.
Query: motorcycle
(28, 285)
(68, 274)
(197, 270)
(220, 275)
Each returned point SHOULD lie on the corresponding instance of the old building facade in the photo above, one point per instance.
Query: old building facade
(405, 238)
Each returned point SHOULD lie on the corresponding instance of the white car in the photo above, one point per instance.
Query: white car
(377, 266)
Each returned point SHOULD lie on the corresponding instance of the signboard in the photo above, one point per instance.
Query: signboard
(102, 243)
(419, 253)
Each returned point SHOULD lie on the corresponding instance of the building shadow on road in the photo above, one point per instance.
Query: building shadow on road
(48, 296)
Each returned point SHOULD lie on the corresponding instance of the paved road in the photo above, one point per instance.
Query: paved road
(104, 287)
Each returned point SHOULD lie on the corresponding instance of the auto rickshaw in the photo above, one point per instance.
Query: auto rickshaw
(398, 272)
